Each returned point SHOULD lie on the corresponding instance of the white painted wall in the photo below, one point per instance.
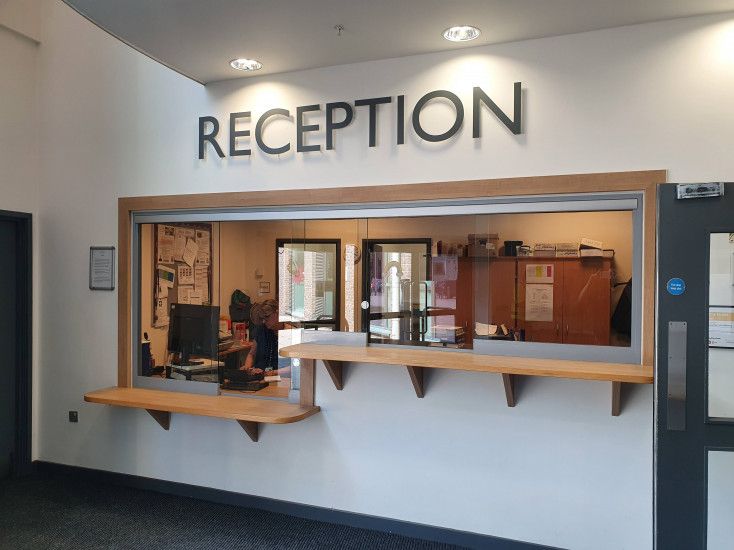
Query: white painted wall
(19, 155)
(557, 469)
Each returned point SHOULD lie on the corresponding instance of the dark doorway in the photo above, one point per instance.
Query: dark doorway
(15, 343)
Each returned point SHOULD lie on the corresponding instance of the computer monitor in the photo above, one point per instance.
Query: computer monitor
(193, 330)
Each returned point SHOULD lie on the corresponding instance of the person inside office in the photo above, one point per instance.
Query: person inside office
(263, 356)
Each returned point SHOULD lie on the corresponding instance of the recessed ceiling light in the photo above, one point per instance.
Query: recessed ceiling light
(246, 64)
(461, 33)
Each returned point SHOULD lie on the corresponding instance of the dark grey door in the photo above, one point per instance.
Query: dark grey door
(694, 405)
(8, 339)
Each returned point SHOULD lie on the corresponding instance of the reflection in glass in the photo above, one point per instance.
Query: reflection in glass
(721, 327)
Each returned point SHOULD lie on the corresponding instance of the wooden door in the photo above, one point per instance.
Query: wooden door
(547, 330)
(587, 290)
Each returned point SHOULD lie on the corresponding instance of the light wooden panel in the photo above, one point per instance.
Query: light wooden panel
(438, 359)
(636, 181)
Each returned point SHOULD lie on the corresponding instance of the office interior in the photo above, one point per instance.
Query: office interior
(89, 124)
(437, 281)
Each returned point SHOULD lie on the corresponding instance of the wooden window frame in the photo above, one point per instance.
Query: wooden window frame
(644, 182)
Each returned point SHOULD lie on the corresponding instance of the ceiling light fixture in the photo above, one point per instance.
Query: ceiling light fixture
(461, 33)
(246, 64)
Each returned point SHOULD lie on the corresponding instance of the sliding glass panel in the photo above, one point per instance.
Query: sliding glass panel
(179, 301)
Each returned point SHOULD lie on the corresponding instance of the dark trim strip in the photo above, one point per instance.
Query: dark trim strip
(317, 513)
(21, 463)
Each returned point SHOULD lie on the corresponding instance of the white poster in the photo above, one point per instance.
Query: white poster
(182, 235)
(201, 282)
(203, 242)
(184, 294)
(166, 276)
(161, 312)
(185, 275)
(538, 302)
(190, 251)
(721, 327)
(166, 243)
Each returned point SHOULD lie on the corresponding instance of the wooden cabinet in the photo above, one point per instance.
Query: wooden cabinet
(581, 291)
(587, 301)
(495, 291)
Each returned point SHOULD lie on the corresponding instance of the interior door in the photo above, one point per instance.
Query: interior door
(398, 291)
(311, 269)
(694, 405)
(8, 339)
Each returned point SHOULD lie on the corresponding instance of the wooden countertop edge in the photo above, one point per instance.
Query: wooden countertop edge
(551, 368)
(137, 398)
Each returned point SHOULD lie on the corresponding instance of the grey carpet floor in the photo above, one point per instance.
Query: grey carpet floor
(54, 512)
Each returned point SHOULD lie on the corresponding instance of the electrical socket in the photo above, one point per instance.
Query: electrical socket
(73, 416)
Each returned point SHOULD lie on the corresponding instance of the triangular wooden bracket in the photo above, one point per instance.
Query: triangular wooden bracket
(616, 398)
(252, 428)
(162, 417)
(508, 380)
(336, 371)
(416, 376)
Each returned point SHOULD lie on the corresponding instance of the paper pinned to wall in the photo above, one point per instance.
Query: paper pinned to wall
(203, 240)
(182, 235)
(539, 302)
(539, 273)
(166, 276)
(161, 312)
(185, 275)
(184, 294)
(195, 298)
(201, 282)
(166, 243)
(190, 251)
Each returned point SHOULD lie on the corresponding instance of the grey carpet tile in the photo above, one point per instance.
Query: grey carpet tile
(55, 512)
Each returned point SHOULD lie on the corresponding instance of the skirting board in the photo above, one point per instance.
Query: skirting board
(317, 513)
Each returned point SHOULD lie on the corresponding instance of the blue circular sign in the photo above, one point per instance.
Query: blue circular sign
(676, 286)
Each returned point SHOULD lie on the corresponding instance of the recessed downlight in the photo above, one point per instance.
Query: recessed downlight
(461, 33)
(242, 64)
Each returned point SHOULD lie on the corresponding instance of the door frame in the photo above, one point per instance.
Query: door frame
(21, 462)
(366, 250)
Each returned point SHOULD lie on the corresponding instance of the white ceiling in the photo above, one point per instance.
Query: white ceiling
(199, 37)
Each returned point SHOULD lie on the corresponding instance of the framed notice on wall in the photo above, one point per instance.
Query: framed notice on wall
(182, 270)
(101, 268)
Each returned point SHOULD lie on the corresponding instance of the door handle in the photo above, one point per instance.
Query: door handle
(677, 351)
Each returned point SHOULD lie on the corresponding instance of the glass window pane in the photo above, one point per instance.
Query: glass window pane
(720, 505)
(721, 327)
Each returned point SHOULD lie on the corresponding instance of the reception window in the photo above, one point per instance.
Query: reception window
(543, 277)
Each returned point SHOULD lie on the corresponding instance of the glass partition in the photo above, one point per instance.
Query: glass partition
(495, 279)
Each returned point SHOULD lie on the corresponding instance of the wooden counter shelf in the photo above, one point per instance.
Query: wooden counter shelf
(416, 360)
(249, 413)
